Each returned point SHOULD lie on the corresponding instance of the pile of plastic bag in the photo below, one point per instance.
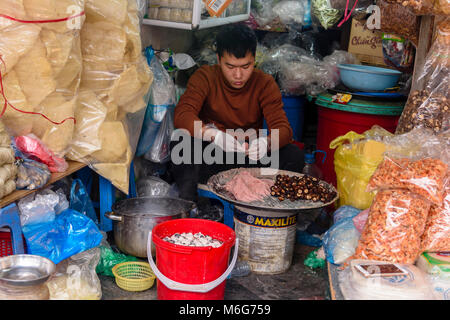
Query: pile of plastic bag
(70, 238)
(266, 12)
(109, 258)
(409, 181)
(404, 182)
(298, 72)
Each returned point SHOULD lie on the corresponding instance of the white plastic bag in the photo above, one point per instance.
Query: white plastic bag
(41, 207)
(160, 150)
(441, 287)
(183, 61)
(305, 74)
(152, 187)
(162, 98)
(41, 68)
(262, 10)
(340, 241)
(76, 278)
(290, 11)
(414, 286)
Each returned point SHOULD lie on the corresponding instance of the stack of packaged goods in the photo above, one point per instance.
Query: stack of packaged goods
(73, 76)
(113, 91)
(409, 218)
(8, 169)
(41, 68)
(171, 10)
(428, 104)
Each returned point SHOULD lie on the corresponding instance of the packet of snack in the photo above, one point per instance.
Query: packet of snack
(425, 177)
(436, 236)
(394, 226)
(428, 104)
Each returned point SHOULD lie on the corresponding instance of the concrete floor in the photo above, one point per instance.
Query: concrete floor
(298, 283)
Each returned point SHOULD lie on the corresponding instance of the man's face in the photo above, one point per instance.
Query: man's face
(236, 71)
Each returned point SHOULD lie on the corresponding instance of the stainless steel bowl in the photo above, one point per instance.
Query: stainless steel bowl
(25, 270)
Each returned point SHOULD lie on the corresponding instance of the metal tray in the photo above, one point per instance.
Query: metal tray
(216, 185)
(25, 270)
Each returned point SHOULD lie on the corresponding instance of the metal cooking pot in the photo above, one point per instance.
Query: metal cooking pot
(134, 218)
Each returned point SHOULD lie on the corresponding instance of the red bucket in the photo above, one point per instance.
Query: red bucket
(191, 273)
(333, 123)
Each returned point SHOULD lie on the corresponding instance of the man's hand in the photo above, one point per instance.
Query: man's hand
(258, 148)
(223, 140)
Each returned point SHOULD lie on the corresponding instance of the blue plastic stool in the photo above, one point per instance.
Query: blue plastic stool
(9, 217)
(228, 208)
(106, 192)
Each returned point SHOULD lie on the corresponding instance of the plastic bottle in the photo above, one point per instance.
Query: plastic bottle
(241, 269)
(310, 167)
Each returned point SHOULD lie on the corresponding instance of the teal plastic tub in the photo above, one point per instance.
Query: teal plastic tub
(368, 78)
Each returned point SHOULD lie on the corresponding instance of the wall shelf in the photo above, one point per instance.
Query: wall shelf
(18, 194)
(199, 22)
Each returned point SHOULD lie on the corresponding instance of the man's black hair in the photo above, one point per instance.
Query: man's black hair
(237, 40)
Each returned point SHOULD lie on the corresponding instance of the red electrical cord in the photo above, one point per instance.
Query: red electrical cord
(2, 62)
(347, 16)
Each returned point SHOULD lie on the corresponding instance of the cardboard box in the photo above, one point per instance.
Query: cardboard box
(366, 44)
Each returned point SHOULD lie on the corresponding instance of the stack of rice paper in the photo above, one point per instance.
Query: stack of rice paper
(8, 169)
(113, 92)
(74, 75)
(41, 68)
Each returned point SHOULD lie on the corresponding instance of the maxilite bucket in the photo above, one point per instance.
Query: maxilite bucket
(266, 242)
(191, 273)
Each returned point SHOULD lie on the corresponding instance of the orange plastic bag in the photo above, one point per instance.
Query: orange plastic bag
(394, 226)
(424, 177)
(436, 236)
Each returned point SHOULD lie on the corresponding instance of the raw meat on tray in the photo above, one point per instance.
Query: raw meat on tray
(247, 188)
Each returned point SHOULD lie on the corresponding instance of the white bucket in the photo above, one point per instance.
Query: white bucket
(266, 242)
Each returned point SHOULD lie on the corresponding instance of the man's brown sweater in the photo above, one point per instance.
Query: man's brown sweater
(209, 98)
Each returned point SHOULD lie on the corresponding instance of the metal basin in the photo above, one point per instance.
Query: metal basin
(272, 205)
(134, 218)
(25, 270)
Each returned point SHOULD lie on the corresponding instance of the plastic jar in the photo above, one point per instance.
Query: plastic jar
(164, 3)
(153, 13)
(164, 14)
(175, 15)
(186, 4)
(186, 15)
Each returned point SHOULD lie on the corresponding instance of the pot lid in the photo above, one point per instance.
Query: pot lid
(153, 206)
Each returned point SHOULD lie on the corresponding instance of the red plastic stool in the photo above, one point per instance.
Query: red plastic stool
(13, 243)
